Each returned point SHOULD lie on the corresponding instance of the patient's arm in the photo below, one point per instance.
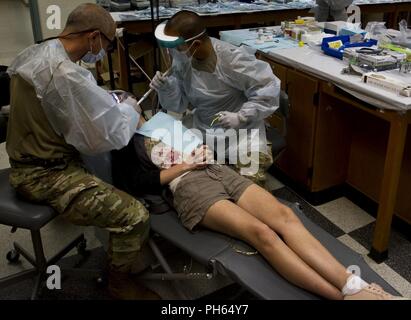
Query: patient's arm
(198, 160)
(168, 175)
(173, 163)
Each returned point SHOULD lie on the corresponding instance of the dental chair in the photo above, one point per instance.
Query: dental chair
(227, 256)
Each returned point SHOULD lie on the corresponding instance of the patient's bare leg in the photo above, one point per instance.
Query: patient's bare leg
(227, 217)
(262, 205)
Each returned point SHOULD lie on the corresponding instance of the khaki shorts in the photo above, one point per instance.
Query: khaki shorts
(199, 190)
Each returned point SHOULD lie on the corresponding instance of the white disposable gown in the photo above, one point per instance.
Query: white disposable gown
(86, 115)
(240, 83)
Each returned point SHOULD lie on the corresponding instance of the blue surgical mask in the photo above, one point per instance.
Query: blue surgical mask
(89, 57)
(182, 56)
(178, 56)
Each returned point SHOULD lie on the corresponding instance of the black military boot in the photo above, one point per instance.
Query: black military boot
(122, 286)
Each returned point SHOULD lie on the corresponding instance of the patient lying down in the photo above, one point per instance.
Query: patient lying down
(216, 197)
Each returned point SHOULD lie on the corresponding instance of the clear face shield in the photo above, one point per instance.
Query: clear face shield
(166, 57)
(174, 48)
(171, 49)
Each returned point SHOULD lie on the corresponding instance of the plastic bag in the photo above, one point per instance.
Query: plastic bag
(405, 35)
(377, 31)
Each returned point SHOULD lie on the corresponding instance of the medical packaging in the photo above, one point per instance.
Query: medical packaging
(387, 83)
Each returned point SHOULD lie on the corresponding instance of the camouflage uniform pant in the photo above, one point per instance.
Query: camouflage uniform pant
(265, 161)
(85, 200)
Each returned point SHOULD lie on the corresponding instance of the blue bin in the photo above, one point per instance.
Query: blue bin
(346, 44)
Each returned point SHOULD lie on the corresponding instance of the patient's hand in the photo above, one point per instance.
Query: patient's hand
(179, 164)
(165, 157)
(200, 158)
(194, 166)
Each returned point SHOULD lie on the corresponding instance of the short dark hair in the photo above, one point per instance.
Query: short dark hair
(90, 16)
(186, 24)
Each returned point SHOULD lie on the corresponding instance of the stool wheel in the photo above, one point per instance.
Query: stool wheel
(82, 247)
(13, 256)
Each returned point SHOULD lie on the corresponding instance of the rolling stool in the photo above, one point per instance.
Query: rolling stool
(18, 213)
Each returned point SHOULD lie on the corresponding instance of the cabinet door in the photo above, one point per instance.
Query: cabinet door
(297, 160)
(332, 143)
(279, 70)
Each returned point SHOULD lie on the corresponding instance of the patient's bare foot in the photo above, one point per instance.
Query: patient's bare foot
(372, 292)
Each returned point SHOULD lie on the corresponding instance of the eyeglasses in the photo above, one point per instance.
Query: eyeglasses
(111, 43)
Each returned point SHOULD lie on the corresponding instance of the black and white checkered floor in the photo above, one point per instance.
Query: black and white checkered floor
(354, 227)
